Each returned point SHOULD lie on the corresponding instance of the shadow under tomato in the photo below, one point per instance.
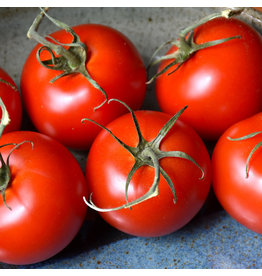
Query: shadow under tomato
(96, 233)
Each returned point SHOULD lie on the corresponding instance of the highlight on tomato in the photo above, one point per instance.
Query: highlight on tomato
(71, 73)
(148, 173)
(215, 67)
(41, 205)
(237, 172)
(11, 97)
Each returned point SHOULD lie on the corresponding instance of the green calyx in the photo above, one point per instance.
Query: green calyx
(255, 148)
(5, 117)
(186, 46)
(146, 154)
(69, 61)
(5, 176)
(9, 84)
(5, 173)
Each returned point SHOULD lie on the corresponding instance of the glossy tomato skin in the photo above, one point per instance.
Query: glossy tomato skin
(221, 84)
(57, 109)
(12, 100)
(240, 196)
(108, 165)
(45, 195)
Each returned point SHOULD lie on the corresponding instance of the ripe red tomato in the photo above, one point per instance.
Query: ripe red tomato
(12, 100)
(45, 195)
(109, 164)
(221, 84)
(57, 108)
(238, 192)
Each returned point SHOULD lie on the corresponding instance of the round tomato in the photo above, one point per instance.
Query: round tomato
(221, 84)
(237, 181)
(57, 108)
(108, 166)
(44, 208)
(12, 100)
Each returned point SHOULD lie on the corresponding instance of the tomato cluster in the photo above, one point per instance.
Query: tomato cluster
(148, 173)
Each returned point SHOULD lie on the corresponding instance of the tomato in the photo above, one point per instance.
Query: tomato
(56, 109)
(221, 84)
(108, 166)
(12, 100)
(240, 191)
(45, 196)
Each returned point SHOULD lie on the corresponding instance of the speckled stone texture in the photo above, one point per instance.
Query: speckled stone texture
(212, 239)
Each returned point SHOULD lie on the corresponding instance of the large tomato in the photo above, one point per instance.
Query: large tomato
(45, 196)
(109, 164)
(12, 100)
(237, 182)
(220, 84)
(57, 108)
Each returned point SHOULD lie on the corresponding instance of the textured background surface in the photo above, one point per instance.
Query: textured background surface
(212, 239)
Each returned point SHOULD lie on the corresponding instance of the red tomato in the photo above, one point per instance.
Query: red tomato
(240, 194)
(109, 163)
(221, 84)
(57, 108)
(12, 100)
(45, 195)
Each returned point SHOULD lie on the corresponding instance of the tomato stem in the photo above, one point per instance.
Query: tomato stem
(5, 173)
(69, 61)
(146, 154)
(255, 148)
(9, 84)
(186, 46)
(5, 176)
(5, 117)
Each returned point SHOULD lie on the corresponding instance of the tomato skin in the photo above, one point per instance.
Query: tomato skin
(57, 109)
(12, 100)
(45, 195)
(241, 197)
(221, 84)
(108, 165)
